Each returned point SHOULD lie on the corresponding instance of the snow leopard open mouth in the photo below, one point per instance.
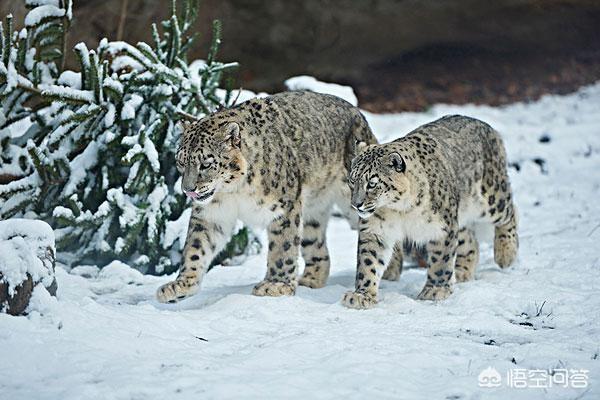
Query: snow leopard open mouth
(366, 213)
(205, 196)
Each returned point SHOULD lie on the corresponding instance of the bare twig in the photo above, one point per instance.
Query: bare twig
(187, 116)
(122, 19)
(65, 31)
(236, 97)
(31, 89)
(539, 310)
(593, 230)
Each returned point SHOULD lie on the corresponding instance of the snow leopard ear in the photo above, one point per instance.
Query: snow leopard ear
(232, 134)
(184, 124)
(397, 162)
(360, 146)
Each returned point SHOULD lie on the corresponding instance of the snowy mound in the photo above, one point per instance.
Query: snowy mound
(26, 258)
(305, 82)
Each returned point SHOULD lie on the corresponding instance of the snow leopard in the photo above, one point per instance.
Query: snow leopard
(431, 187)
(278, 163)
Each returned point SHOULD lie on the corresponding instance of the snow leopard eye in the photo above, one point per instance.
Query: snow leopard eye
(206, 164)
(372, 183)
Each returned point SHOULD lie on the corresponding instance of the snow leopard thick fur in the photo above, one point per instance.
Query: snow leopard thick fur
(278, 162)
(430, 187)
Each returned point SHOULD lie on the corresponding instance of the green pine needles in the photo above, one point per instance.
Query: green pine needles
(92, 152)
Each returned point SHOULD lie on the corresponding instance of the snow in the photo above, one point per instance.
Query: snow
(129, 213)
(151, 154)
(114, 48)
(65, 92)
(69, 12)
(18, 185)
(109, 117)
(16, 261)
(125, 62)
(21, 242)
(62, 212)
(16, 129)
(105, 336)
(12, 78)
(130, 106)
(36, 15)
(132, 152)
(148, 149)
(33, 3)
(83, 52)
(304, 82)
(108, 136)
(177, 229)
(71, 79)
(113, 84)
(79, 167)
(238, 95)
(155, 207)
(30, 58)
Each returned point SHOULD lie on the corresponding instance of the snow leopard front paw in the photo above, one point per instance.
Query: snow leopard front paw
(431, 292)
(274, 288)
(358, 301)
(174, 291)
(463, 274)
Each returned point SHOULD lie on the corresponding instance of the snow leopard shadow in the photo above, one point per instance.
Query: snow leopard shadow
(410, 283)
(204, 298)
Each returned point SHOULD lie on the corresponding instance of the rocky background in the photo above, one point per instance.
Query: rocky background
(397, 54)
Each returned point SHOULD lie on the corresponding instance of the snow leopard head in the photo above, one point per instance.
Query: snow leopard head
(209, 157)
(378, 179)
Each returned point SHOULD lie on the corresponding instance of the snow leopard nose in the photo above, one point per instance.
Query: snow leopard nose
(188, 187)
(357, 206)
(189, 180)
(357, 200)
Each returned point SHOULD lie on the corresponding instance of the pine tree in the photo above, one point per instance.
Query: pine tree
(28, 58)
(97, 158)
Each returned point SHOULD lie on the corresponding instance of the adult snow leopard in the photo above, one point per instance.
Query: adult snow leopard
(278, 162)
(430, 187)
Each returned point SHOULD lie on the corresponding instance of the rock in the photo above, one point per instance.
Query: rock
(27, 259)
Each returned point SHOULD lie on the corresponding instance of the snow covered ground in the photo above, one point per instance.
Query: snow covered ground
(105, 337)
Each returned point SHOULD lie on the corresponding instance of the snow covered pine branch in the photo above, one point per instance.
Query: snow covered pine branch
(92, 151)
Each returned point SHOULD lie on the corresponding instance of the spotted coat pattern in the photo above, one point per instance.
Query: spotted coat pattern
(430, 187)
(278, 162)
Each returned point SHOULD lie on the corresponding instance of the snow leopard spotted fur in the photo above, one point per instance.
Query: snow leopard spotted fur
(430, 187)
(278, 162)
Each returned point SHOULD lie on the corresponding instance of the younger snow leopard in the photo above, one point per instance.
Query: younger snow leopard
(430, 187)
(278, 162)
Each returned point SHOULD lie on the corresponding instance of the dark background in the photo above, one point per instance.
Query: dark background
(397, 54)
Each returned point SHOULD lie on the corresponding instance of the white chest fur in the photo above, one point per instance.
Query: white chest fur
(254, 215)
(412, 226)
(227, 208)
